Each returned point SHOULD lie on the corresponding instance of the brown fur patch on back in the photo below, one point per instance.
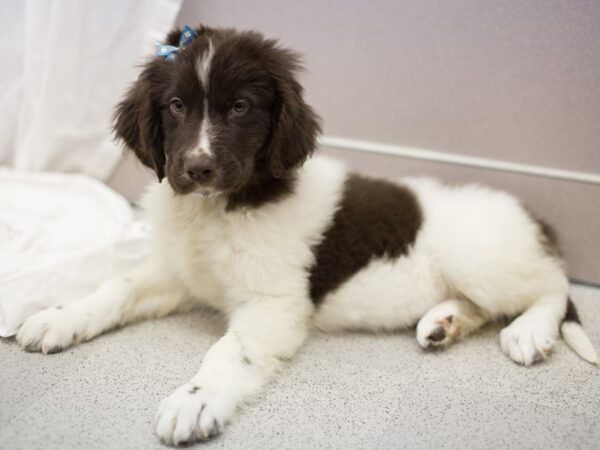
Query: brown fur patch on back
(376, 219)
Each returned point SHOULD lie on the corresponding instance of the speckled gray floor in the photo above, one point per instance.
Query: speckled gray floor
(344, 391)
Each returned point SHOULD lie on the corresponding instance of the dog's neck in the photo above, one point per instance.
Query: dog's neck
(261, 190)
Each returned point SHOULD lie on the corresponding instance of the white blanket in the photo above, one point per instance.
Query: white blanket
(60, 237)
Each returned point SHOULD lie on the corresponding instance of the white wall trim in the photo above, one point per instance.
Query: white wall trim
(453, 158)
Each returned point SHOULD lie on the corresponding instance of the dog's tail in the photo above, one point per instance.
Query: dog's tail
(573, 334)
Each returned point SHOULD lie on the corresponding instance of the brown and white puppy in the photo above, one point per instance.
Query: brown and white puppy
(246, 225)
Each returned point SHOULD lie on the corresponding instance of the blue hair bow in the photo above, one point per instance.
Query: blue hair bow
(168, 51)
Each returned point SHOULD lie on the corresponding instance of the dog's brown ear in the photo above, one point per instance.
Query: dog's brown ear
(137, 119)
(295, 124)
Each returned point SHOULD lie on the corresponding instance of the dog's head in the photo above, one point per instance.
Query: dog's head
(225, 114)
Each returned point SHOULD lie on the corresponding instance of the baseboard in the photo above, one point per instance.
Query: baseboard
(584, 283)
(457, 159)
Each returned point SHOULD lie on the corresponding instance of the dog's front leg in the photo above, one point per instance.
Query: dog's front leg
(142, 293)
(261, 334)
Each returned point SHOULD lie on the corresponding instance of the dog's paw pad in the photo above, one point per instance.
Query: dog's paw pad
(437, 332)
(437, 335)
(191, 414)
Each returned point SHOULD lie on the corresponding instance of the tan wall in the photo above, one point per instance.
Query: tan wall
(511, 81)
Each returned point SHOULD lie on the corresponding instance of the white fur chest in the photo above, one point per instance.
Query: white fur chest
(223, 258)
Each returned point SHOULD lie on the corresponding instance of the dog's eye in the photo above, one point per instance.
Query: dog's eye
(240, 107)
(176, 106)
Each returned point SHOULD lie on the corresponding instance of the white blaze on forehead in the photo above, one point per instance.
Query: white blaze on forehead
(203, 65)
(203, 145)
(203, 69)
(205, 131)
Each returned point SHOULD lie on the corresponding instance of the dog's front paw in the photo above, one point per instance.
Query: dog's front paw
(51, 330)
(191, 414)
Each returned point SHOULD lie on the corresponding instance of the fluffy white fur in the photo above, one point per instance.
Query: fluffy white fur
(475, 244)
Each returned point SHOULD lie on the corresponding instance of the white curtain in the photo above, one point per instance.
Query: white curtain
(64, 64)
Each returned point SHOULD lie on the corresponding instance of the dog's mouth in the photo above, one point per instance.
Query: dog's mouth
(224, 181)
(206, 191)
(184, 186)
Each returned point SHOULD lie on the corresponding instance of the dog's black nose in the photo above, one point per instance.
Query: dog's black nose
(199, 168)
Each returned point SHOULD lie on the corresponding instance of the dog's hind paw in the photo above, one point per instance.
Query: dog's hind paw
(527, 341)
(440, 332)
(448, 321)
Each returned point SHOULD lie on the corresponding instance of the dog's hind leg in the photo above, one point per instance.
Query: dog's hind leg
(530, 337)
(448, 321)
(140, 294)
